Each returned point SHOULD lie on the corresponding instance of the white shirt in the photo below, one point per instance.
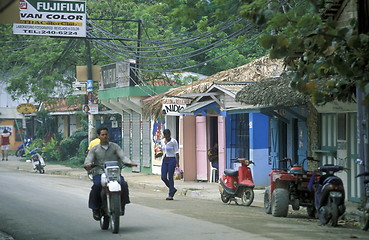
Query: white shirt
(171, 148)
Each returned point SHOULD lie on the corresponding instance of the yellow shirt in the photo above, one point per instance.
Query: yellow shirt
(93, 143)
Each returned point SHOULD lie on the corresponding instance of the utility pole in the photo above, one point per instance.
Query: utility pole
(89, 65)
(362, 135)
(89, 89)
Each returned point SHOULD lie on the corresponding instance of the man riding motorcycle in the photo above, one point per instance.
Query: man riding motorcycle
(99, 154)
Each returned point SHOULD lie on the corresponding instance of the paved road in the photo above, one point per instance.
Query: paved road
(44, 207)
(152, 185)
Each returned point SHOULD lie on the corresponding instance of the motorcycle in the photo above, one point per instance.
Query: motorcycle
(37, 160)
(329, 195)
(111, 208)
(237, 183)
(363, 211)
(21, 151)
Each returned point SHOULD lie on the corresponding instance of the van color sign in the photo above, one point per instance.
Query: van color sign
(51, 18)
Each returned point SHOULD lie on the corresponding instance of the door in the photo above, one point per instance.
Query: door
(274, 143)
(302, 143)
(201, 153)
(222, 145)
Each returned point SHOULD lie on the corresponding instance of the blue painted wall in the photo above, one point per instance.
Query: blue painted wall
(259, 152)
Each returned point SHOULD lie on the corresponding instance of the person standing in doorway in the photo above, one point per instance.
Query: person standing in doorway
(5, 143)
(170, 161)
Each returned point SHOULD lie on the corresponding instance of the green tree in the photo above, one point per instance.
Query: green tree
(177, 35)
(326, 61)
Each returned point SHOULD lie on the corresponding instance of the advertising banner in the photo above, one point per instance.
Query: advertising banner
(52, 18)
(90, 109)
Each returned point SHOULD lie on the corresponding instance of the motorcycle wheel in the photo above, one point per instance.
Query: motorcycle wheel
(104, 222)
(323, 215)
(334, 213)
(267, 203)
(280, 200)
(311, 211)
(115, 212)
(19, 153)
(41, 170)
(247, 196)
(364, 223)
(225, 197)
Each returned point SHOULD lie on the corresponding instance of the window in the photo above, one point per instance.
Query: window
(341, 124)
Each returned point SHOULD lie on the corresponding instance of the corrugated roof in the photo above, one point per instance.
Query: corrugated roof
(10, 113)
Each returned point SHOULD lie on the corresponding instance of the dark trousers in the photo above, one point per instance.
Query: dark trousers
(94, 201)
(167, 171)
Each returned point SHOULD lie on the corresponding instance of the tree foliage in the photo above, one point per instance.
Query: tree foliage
(39, 67)
(327, 61)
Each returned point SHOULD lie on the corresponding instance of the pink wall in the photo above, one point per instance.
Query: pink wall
(201, 149)
(222, 145)
(187, 136)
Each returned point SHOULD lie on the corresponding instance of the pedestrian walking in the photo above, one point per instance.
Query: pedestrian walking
(170, 161)
(5, 143)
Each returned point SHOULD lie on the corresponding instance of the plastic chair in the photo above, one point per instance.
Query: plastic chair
(213, 172)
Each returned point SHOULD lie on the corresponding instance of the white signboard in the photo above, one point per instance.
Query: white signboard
(52, 18)
(79, 88)
(172, 106)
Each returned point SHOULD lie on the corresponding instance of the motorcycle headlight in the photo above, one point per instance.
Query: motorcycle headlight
(113, 173)
(103, 180)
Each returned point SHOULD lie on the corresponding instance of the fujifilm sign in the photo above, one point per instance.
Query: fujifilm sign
(60, 7)
(52, 18)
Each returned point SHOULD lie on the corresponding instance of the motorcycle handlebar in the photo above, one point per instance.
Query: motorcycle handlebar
(102, 166)
(242, 160)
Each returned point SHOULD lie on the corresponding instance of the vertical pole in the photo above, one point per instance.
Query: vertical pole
(89, 89)
(138, 48)
(362, 137)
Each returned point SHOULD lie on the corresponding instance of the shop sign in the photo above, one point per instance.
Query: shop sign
(26, 108)
(51, 18)
(172, 106)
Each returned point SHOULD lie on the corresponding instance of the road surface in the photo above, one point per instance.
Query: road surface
(48, 207)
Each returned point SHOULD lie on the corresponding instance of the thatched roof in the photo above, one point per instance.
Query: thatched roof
(254, 71)
(273, 91)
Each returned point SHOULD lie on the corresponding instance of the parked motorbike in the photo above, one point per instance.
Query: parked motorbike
(111, 196)
(21, 151)
(238, 183)
(289, 186)
(37, 160)
(330, 195)
(363, 211)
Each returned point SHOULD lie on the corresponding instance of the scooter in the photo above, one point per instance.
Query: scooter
(37, 160)
(329, 195)
(237, 183)
(21, 151)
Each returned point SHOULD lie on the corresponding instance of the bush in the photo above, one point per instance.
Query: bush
(76, 161)
(51, 150)
(70, 147)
